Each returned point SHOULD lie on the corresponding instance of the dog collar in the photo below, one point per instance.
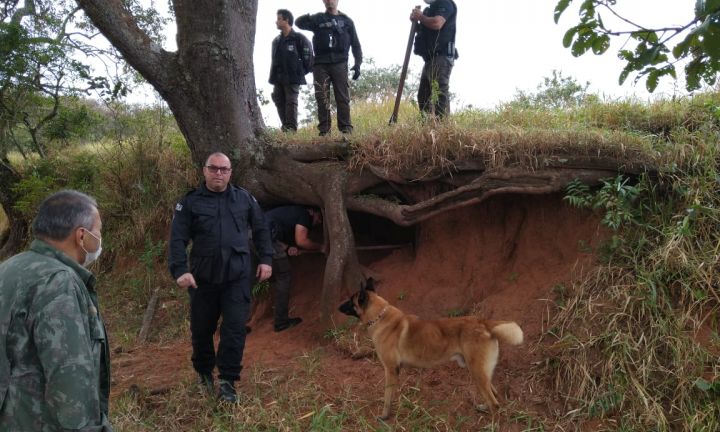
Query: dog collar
(379, 317)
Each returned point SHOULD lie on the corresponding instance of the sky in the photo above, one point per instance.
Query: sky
(504, 46)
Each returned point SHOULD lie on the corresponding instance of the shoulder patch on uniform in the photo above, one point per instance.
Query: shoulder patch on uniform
(178, 207)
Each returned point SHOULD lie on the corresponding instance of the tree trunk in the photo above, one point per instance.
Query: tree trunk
(210, 88)
(209, 82)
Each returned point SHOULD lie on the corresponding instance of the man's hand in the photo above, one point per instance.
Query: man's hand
(356, 75)
(264, 272)
(416, 14)
(186, 280)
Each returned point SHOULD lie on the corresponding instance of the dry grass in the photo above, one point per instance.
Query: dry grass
(637, 341)
(624, 131)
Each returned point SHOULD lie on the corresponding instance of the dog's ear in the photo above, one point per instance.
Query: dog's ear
(370, 284)
(363, 298)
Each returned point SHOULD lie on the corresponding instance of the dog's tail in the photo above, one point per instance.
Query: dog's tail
(506, 331)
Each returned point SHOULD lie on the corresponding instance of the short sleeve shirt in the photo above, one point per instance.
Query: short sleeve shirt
(282, 221)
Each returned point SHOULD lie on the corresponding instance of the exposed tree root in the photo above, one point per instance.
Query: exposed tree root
(505, 181)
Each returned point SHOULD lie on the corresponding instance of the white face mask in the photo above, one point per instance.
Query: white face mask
(90, 257)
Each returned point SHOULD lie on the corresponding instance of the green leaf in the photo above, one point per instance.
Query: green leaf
(560, 8)
(648, 56)
(624, 74)
(683, 48)
(692, 74)
(569, 35)
(711, 40)
(645, 36)
(652, 80)
(601, 44)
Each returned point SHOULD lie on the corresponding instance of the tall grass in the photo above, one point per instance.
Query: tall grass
(636, 341)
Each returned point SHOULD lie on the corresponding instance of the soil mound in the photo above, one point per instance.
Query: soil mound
(502, 259)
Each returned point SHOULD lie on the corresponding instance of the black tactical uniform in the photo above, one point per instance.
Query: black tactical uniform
(437, 48)
(282, 221)
(218, 224)
(333, 36)
(292, 59)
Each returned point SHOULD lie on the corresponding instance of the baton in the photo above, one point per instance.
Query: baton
(403, 73)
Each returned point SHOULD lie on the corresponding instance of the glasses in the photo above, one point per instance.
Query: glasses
(217, 169)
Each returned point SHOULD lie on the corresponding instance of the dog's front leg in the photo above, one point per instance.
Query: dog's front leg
(392, 373)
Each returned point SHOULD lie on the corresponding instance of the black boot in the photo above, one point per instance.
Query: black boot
(207, 382)
(283, 325)
(227, 391)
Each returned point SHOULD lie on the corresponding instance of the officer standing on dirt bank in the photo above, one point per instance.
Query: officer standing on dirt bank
(435, 43)
(333, 36)
(292, 59)
(289, 227)
(216, 217)
(54, 356)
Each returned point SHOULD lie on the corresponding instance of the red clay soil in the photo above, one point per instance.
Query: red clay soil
(499, 260)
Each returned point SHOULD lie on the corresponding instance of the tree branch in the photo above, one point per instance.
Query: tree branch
(120, 28)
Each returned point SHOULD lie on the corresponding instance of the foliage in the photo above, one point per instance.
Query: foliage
(46, 52)
(616, 199)
(76, 120)
(628, 335)
(697, 42)
(556, 92)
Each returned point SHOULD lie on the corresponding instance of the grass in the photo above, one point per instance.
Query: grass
(632, 345)
(627, 336)
(291, 399)
(625, 131)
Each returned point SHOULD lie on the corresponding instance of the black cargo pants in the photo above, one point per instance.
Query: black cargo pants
(280, 282)
(208, 302)
(436, 69)
(285, 97)
(335, 74)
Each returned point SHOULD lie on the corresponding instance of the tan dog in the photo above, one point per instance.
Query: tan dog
(405, 340)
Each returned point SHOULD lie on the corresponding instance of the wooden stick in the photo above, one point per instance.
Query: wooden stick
(148, 316)
(403, 73)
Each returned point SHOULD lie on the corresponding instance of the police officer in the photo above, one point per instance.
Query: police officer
(54, 356)
(292, 59)
(435, 43)
(217, 217)
(333, 36)
(289, 226)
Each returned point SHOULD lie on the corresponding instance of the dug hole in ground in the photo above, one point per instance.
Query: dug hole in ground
(502, 259)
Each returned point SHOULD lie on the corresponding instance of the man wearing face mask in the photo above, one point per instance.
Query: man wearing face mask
(54, 357)
(216, 218)
(435, 43)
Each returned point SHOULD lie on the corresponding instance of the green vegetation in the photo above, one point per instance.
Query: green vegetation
(634, 344)
(657, 49)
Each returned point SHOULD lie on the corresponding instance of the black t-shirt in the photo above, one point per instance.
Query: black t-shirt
(282, 221)
(429, 42)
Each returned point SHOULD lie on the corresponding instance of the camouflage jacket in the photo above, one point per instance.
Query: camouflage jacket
(54, 358)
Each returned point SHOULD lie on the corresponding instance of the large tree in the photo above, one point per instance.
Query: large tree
(208, 84)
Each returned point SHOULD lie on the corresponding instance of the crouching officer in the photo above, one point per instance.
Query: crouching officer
(435, 43)
(292, 59)
(216, 217)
